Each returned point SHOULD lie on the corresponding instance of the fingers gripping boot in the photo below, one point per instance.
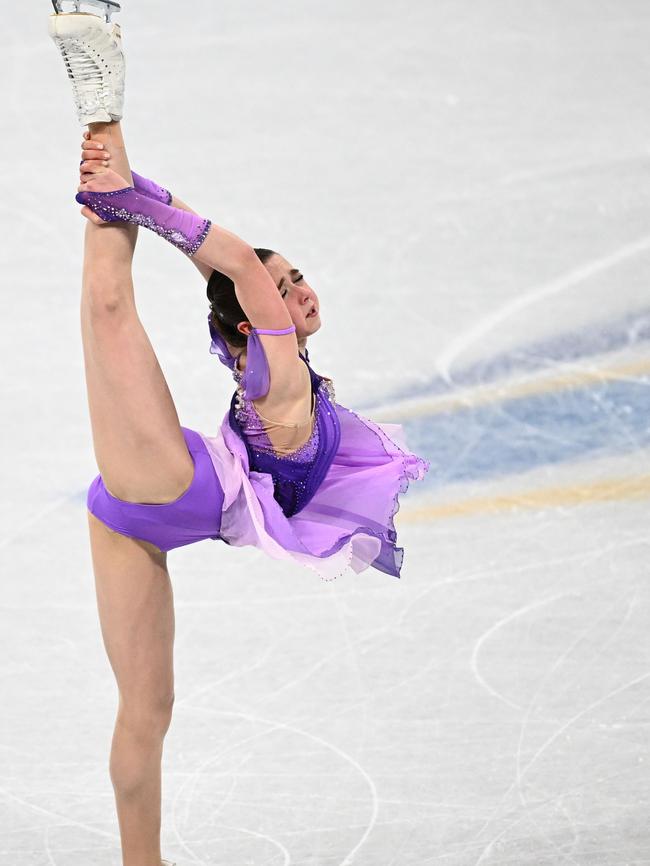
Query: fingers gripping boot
(92, 52)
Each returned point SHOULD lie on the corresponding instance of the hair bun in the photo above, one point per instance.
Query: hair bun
(224, 305)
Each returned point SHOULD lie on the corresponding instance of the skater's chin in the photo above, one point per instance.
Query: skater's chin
(315, 324)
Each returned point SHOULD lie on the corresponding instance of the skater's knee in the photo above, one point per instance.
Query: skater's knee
(147, 714)
(137, 748)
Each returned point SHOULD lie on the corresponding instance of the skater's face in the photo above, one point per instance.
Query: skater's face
(297, 294)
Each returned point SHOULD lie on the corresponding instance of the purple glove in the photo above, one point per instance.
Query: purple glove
(184, 230)
(150, 189)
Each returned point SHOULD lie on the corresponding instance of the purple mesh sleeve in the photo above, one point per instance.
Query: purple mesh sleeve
(257, 378)
(151, 189)
(184, 230)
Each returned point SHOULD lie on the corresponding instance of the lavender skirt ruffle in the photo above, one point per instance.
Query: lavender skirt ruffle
(348, 523)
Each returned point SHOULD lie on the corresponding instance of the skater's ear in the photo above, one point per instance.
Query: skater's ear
(244, 328)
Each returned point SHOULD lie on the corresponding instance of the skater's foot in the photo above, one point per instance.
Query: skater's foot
(91, 48)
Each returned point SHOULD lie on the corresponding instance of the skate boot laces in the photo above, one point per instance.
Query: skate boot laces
(80, 66)
(88, 70)
(92, 53)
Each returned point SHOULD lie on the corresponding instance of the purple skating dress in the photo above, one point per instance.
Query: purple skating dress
(330, 505)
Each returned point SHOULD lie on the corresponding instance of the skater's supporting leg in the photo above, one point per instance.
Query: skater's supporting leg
(136, 611)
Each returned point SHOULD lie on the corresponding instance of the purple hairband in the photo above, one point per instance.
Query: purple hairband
(257, 378)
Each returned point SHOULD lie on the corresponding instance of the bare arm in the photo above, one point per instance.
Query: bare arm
(110, 137)
(256, 292)
(254, 286)
(221, 250)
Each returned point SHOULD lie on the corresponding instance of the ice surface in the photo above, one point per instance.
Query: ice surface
(466, 186)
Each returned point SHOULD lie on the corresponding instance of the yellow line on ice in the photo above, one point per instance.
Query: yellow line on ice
(611, 490)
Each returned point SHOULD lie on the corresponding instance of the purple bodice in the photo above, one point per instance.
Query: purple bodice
(252, 426)
(296, 475)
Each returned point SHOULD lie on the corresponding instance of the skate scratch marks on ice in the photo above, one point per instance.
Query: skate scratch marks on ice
(278, 726)
(573, 277)
(493, 630)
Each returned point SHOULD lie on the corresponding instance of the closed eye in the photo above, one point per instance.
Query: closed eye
(284, 292)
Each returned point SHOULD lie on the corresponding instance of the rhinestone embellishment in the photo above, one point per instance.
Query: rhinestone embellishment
(253, 425)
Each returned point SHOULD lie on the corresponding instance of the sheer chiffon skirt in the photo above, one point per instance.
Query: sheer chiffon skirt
(349, 521)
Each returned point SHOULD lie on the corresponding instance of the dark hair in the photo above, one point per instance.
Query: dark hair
(225, 308)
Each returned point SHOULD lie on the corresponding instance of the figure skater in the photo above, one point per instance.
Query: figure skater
(290, 470)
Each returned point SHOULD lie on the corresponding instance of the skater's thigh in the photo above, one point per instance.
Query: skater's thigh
(138, 441)
(136, 612)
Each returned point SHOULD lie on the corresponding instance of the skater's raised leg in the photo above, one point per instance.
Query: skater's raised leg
(139, 445)
(110, 136)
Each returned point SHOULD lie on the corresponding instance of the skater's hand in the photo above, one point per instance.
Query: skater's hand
(95, 176)
(93, 154)
(95, 158)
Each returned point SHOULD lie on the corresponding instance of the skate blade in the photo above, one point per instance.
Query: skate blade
(107, 7)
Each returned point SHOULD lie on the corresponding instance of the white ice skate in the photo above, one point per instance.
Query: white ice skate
(91, 47)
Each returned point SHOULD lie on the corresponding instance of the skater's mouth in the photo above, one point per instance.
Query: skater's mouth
(313, 312)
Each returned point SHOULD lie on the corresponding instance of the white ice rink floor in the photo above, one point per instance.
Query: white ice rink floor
(466, 186)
